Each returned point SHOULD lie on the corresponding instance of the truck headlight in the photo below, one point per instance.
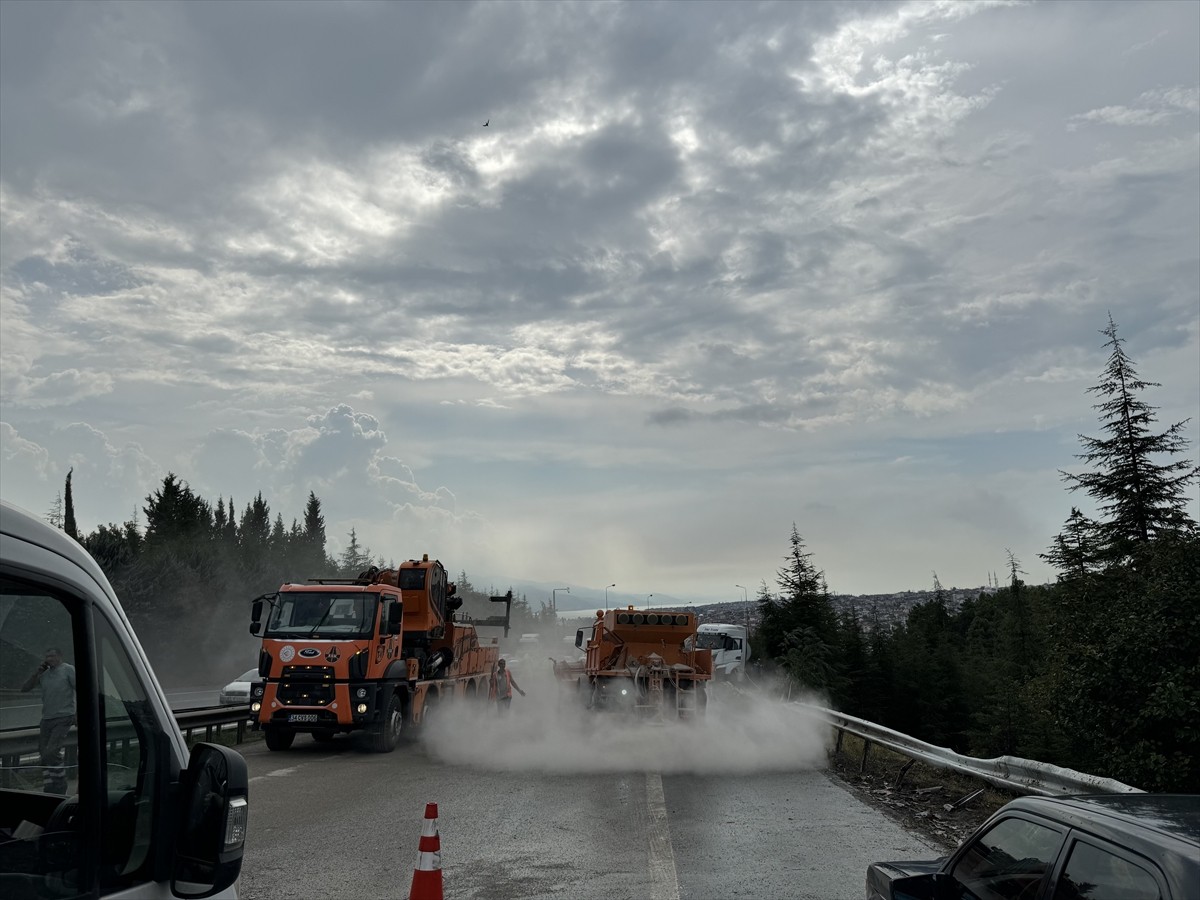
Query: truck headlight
(255, 706)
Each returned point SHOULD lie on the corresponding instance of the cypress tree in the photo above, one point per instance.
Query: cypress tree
(69, 515)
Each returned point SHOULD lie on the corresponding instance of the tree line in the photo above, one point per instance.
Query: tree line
(186, 573)
(1099, 672)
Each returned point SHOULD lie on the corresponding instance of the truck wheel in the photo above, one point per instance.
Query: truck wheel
(279, 738)
(387, 732)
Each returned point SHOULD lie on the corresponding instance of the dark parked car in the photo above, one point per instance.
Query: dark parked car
(1088, 847)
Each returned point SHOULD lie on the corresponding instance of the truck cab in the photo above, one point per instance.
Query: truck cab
(99, 794)
(730, 646)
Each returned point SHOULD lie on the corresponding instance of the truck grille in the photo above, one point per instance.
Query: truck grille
(306, 686)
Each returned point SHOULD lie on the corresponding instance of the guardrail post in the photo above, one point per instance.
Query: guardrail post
(862, 766)
(903, 771)
(840, 735)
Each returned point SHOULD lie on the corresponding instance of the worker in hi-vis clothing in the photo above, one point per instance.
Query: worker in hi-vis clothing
(502, 687)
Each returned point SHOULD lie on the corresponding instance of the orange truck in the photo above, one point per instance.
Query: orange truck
(373, 654)
(642, 663)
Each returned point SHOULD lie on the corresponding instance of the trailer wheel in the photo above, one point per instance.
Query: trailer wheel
(278, 738)
(385, 734)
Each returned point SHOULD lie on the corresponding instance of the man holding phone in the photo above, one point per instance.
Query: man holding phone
(57, 681)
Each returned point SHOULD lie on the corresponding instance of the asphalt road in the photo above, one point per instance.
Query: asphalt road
(524, 813)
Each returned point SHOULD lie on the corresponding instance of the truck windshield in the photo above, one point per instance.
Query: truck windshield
(710, 641)
(324, 615)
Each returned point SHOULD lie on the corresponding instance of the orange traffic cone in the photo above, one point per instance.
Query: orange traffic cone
(427, 877)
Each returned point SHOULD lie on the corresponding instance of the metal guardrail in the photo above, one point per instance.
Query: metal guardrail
(1011, 773)
(22, 742)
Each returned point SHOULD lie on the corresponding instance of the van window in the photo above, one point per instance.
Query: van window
(42, 841)
(47, 848)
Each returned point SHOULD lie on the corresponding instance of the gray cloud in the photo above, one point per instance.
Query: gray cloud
(274, 245)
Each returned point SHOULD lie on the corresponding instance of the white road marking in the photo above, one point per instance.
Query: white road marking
(290, 769)
(287, 771)
(664, 880)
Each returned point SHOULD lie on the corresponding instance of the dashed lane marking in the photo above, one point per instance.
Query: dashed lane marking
(664, 880)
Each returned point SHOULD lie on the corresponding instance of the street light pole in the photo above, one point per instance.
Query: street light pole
(554, 598)
(745, 599)
(614, 584)
(648, 596)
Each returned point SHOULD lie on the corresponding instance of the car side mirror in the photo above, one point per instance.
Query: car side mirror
(211, 836)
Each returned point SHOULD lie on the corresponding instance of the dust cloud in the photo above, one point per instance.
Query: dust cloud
(746, 729)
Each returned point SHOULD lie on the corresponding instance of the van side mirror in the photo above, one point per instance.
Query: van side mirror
(211, 833)
(579, 638)
(395, 618)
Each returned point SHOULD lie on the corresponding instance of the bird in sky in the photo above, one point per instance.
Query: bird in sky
(485, 124)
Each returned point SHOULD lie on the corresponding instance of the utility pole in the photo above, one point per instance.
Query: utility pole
(554, 598)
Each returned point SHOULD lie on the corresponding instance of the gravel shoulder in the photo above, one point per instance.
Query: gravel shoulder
(942, 806)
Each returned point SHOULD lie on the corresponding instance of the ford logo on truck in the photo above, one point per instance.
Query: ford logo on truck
(310, 652)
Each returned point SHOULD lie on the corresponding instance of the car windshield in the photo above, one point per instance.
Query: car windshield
(322, 614)
(248, 675)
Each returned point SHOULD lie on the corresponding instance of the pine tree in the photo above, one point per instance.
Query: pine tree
(55, 515)
(1139, 497)
(314, 535)
(799, 626)
(1074, 550)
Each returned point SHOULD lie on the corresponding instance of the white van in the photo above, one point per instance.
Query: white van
(99, 796)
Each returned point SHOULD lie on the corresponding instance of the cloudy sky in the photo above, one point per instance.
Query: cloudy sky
(708, 270)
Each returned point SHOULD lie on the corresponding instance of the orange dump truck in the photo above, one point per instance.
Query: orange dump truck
(642, 663)
(373, 654)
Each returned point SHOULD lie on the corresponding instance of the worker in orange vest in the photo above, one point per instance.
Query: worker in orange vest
(502, 687)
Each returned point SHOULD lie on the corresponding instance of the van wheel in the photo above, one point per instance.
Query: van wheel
(279, 738)
(385, 734)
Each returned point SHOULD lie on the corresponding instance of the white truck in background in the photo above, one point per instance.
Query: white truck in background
(730, 646)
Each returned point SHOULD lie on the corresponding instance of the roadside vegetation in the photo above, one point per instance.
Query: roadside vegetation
(1099, 672)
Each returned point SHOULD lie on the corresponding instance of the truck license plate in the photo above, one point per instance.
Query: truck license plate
(302, 717)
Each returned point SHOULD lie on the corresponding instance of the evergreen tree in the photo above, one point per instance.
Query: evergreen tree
(355, 559)
(1139, 496)
(69, 517)
(799, 626)
(313, 555)
(55, 515)
(174, 512)
(1074, 551)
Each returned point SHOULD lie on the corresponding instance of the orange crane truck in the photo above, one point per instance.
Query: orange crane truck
(641, 663)
(373, 654)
